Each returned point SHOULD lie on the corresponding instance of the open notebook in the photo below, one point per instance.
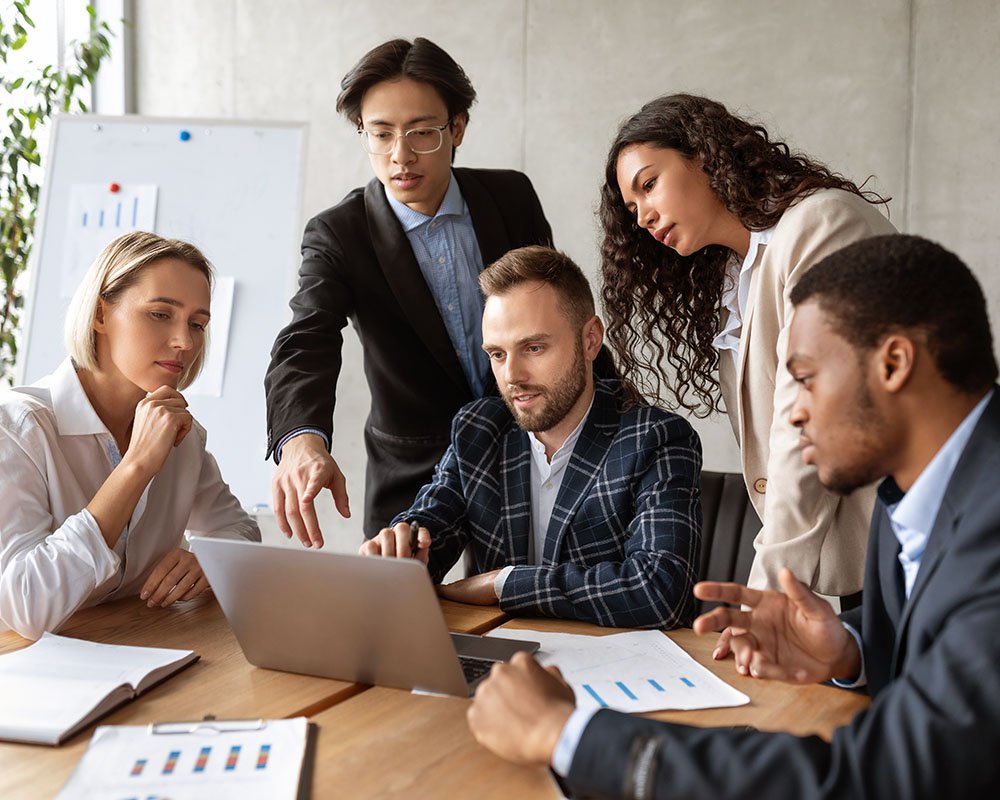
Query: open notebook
(58, 685)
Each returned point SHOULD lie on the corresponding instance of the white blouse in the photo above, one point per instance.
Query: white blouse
(55, 453)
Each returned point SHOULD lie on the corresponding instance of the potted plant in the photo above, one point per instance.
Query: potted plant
(30, 99)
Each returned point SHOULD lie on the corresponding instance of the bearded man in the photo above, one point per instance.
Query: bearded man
(573, 505)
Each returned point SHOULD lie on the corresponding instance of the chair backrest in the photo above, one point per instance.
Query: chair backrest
(729, 526)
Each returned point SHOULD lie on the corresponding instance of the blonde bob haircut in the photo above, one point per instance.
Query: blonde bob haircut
(116, 269)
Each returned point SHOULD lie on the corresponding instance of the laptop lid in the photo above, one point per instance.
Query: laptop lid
(350, 617)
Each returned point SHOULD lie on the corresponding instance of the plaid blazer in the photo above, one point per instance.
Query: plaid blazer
(622, 544)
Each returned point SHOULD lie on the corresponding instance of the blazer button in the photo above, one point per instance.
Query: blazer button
(760, 485)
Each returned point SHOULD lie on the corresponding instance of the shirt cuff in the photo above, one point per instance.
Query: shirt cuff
(862, 679)
(569, 739)
(293, 434)
(500, 580)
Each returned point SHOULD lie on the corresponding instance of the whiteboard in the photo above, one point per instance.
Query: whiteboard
(232, 188)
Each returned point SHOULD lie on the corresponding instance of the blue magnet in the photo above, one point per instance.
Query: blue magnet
(185, 135)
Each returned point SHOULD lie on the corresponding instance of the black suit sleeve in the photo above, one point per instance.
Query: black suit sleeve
(301, 380)
(933, 732)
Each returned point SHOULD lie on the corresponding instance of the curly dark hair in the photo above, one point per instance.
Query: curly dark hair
(663, 309)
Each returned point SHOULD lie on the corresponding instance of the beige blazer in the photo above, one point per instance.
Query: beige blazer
(821, 536)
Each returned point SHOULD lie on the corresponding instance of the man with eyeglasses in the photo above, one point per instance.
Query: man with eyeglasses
(399, 258)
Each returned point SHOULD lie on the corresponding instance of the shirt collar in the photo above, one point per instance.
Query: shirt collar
(75, 416)
(453, 204)
(919, 507)
(741, 279)
(567, 447)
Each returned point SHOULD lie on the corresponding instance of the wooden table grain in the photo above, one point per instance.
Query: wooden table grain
(388, 743)
(222, 682)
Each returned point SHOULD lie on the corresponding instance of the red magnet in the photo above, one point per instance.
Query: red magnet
(114, 187)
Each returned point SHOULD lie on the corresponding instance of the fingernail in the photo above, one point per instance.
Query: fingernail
(150, 604)
(144, 595)
(715, 653)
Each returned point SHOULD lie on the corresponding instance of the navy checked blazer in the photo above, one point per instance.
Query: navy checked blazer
(622, 544)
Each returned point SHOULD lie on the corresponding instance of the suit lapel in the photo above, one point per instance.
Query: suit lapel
(965, 481)
(402, 273)
(486, 218)
(741, 361)
(515, 472)
(582, 470)
(937, 546)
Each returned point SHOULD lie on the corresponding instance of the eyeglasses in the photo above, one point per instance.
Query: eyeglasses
(420, 140)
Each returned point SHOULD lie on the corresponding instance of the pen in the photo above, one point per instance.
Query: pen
(414, 535)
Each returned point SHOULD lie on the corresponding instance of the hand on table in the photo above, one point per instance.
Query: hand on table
(395, 542)
(792, 636)
(478, 590)
(178, 576)
(519, 711)
(305, 470)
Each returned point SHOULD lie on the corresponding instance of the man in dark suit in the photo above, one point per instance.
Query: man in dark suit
(891, 346)
(573, 507)
(399, 259)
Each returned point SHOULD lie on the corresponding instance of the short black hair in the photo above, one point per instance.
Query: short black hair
(420, 60)
(895, 283)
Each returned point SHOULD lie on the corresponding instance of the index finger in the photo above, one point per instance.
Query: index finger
(734, 593)
(307, 509)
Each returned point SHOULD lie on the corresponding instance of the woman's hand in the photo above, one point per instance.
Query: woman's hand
(161, 423)
(178, 576)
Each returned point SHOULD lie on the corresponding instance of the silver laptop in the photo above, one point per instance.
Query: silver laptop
(354, 618)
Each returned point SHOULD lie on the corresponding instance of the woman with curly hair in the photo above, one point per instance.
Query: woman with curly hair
(708, 224)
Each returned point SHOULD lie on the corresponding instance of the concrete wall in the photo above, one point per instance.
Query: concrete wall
(905, 90)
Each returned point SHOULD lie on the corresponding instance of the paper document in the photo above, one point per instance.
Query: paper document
(632, 672)
(243, 759)
(98, 214)
(209, 383)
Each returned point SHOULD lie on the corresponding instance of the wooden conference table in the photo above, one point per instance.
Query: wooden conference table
(373, 741)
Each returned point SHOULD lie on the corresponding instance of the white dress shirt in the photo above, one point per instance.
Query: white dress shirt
(734, 297)
(546, 479)
(55, 453)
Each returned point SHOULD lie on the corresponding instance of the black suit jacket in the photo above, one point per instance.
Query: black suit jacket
(357, 265)
(933, 666)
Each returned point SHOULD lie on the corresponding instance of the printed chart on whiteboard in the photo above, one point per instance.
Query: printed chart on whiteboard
(97, 214)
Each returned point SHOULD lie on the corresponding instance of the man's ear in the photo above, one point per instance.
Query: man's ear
(458, 125)
(896, 359)
(593, 337)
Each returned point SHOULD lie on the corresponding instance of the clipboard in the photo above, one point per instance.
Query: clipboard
(193, 759)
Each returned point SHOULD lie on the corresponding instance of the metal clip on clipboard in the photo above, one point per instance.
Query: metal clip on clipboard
(207, 726)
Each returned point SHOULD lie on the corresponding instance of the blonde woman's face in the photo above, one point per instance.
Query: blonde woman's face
(156, 327)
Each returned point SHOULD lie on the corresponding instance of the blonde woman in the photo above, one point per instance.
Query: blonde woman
(102, 467)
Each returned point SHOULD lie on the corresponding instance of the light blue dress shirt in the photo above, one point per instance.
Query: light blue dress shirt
(447, 251)
(912, 519)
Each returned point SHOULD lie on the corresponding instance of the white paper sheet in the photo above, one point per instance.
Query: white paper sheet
(239, 761)
(96, 216)
(209, 383)
(632, 672)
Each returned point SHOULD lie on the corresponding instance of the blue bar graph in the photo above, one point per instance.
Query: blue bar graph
(656, 686)
(626, 690)
(686, 682)
(595, 695)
